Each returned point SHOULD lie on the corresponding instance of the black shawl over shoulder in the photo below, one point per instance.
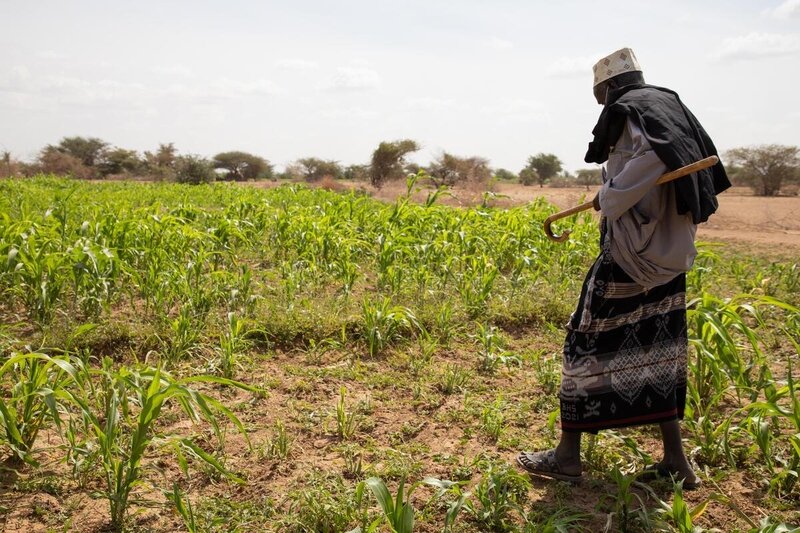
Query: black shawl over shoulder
(676, 136)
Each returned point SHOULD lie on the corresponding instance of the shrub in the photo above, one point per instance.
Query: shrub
(194, 170)
(388, 161)
(241, 166)
(449, 170)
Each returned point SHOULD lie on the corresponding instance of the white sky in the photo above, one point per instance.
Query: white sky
(501, 79)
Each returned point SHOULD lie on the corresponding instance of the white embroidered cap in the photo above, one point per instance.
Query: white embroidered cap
(623, 60)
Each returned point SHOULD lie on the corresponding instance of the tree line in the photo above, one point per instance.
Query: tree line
(768, 169)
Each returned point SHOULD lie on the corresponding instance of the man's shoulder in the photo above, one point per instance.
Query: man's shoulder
(648, 93)
(648, 99)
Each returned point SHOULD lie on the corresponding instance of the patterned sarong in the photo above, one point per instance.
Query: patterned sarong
(625, 352)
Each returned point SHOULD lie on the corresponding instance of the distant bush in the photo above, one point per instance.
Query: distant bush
(389, 161)
(8, 166)
(314, 169)
(588, 177)
(55, 162)
(120, 161)
(448, 169)
(330, 184)
(194, 170)
(241, 166)
(357, 172)
(766, 168)
(160, 165)
(528, 176)
(505, 175)
(546, 166)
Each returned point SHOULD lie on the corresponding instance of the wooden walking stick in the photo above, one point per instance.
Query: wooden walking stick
(669, 176)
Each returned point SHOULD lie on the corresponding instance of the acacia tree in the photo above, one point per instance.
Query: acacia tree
(449, 169)
(356, 172)
(194, 170)
(314, 169)
(120, 160)
(545, 165)
(767, 167)
(388, 161)
(503, 174)
(241, 166)
(588, 177)
(51, 161)
(528, 176)
(161, 163)
(89, 150)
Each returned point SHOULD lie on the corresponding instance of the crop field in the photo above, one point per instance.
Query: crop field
(224, 358)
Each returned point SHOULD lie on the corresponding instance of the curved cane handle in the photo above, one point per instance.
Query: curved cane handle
(665, 178)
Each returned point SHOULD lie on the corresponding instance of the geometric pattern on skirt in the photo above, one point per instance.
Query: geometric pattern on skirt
(625, 353)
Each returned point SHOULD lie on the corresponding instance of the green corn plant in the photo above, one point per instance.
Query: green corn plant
(184, 336)
(346, 271)
(242, 296)
(713, 345)
(328, 505)
(124, 438)
(445, 328)
(427, 347)
(280, 444)
(81, 451)
(347, 423)
(476, 285)
(183, 508)
(491, 353)
(95, 271)
(788, 410)
(497, 497)
(766, 525)
(677, 516)
(353, 466)
(711, 436)
(704, 265)
(398, 511)
(718, 327)
(231, 344)
(38, 385)
(455, 378)
(493, 419)
(760, 430)
(384, 324)
(560, 521)
(39, 278)
(548, 372)
(623, 500)
(455, 506)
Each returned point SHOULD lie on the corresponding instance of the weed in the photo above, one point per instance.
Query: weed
(347, 422)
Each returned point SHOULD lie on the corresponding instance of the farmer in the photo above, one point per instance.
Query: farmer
(625, 354)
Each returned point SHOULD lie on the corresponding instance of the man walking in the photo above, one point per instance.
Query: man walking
(625, 354)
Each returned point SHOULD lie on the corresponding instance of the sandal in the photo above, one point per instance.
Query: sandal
(544, 463)
(656, 471)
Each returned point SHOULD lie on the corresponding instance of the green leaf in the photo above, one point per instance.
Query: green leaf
(211, 460)
(378, 488)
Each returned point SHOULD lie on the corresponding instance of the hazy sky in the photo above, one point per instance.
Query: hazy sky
(499, 79)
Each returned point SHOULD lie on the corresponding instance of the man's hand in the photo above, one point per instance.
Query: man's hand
(596, 202)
